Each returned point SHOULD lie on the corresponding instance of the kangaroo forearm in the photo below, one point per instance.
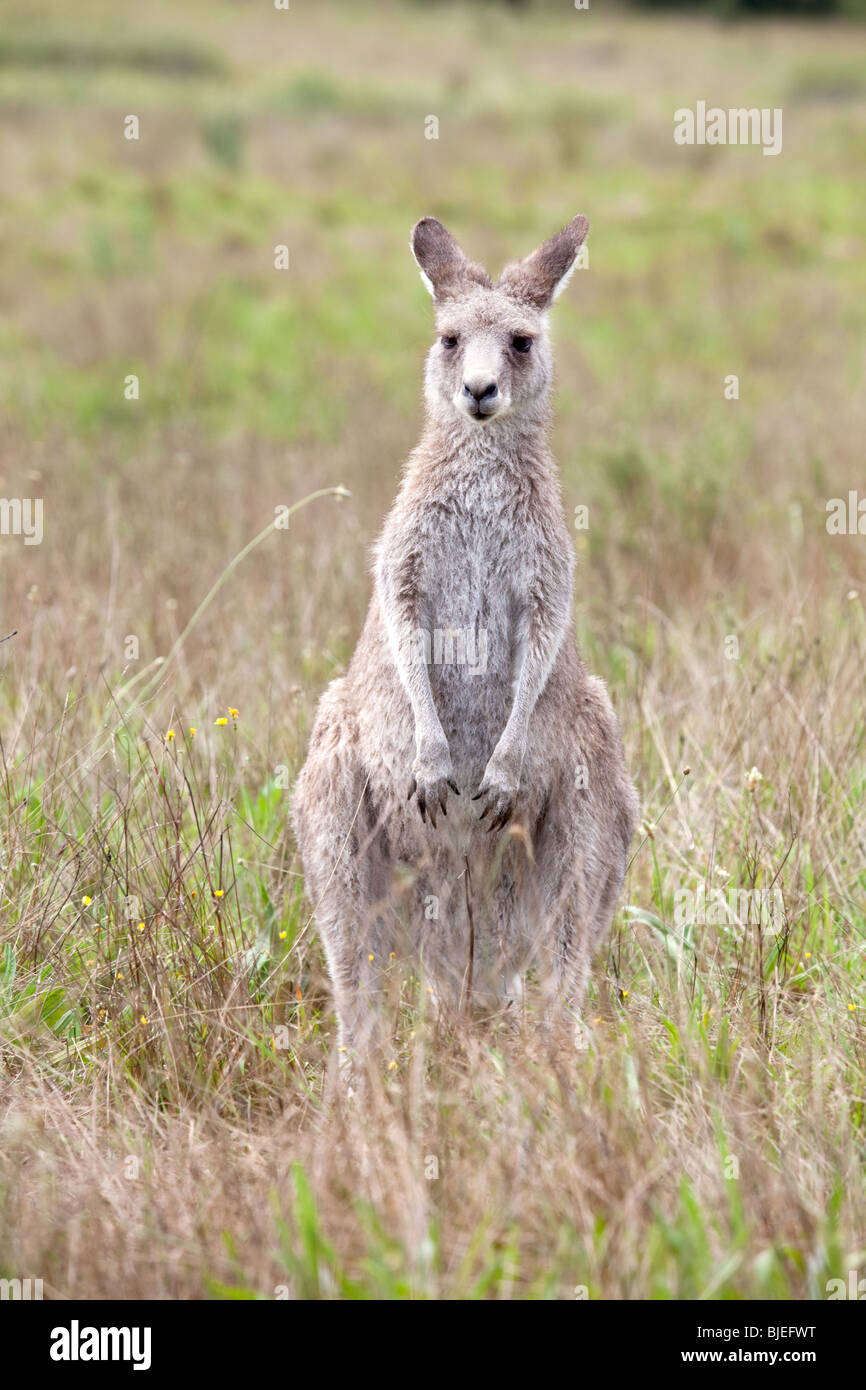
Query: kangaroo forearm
(534, 673)
(428, 726)
(542, 639)
(402, 619)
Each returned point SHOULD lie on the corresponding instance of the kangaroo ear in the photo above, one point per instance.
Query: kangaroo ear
(444, 269)
(541, 277)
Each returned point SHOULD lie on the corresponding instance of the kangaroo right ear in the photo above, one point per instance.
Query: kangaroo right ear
(541, 277)
(444, 269)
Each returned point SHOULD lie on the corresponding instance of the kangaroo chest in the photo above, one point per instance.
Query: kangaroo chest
(476, 557)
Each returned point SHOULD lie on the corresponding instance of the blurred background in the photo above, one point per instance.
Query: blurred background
(307, 128)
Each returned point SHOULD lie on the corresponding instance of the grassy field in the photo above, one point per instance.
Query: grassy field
(170, 1120)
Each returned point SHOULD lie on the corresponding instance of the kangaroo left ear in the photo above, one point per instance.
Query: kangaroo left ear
(444, 268)
(541, 277)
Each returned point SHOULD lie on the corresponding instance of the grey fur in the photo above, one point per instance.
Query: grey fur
(476, 544)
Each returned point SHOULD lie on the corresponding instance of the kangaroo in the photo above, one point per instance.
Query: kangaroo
(465, 801)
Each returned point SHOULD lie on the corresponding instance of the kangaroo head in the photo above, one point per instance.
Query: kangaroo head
(493, 354)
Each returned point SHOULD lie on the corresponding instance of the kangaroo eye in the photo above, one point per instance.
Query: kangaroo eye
(449, 342)
(521, 344)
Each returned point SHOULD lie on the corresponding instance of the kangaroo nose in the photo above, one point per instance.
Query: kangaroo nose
(480, 388)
